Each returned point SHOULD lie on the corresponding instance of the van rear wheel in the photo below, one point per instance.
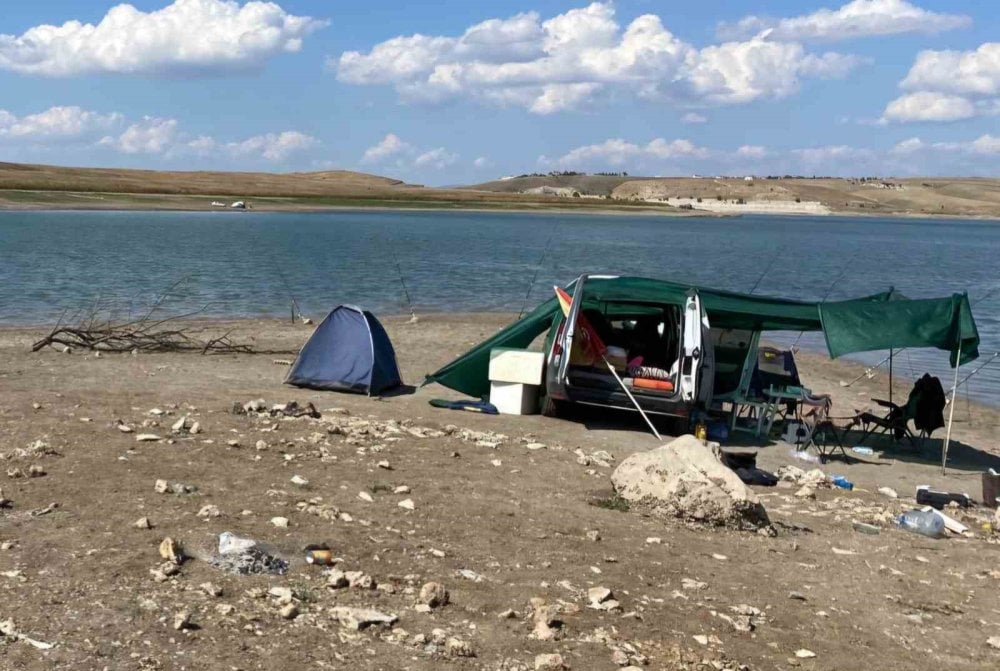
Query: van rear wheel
(551, 407)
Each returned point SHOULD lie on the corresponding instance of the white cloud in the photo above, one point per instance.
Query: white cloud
(752, 151)
(151, 135)
(860, 18)
(275, 147)
(404, 156)
(187, 37)
(984, 145)
(826, 156)
(435, 158)
(482, 162)
(391, 145)
(964, 72)
(617, 151)
(575, 58)
(62, 122)
(694, 117)
(950, 85)
(929, 106)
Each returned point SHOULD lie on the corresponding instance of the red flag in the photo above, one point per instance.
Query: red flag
(591, 341)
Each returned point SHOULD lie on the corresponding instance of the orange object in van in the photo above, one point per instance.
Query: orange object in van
(658, 385)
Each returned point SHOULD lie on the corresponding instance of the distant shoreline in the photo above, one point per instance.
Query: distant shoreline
(389, 205)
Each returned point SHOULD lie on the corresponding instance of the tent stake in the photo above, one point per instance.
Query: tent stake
(632, 398)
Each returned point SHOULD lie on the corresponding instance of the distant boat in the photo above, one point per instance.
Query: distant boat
(216, 203)
(238, 205)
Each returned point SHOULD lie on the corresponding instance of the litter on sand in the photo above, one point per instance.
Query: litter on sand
(244, 556)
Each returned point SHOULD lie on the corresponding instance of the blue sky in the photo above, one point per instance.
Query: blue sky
(459, 92)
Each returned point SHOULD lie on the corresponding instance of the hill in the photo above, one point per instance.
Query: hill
(586, 185)
(45, 186)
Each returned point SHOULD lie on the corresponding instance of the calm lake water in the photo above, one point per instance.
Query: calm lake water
(251, 263)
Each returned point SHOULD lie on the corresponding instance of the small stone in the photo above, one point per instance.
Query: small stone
(433, 594)
(225, 609)
(147, 438)
(260, 445)
(195, 428)
(549, 662)
(402, 489)
(803, 653)
(384, 465)
(888, 491)
(535, 446)
(509, 614)
(182, 621)
(437, 553)
(233, 442)
(360, 618)
(993, 642)
(598, 595)
(360, 580)
(688, 583)
(406, 504)
(336, 579)
(161, 487)
(701, 638)
(281, 522)
(654, 540)
(143, 523)
(719, 557)
(594, 535)
(125, 428)
(35, 471)
(365, 496)
(211, 589)
(209, 510)
(289, 612)
(299, 480)
(179, 425)
(797, 596)
(456, 647)
(171, 550)
(807, 491)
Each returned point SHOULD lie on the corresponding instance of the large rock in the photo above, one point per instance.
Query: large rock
(686, 479)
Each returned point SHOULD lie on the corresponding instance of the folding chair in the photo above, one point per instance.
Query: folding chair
(823, 434)
(924, 405)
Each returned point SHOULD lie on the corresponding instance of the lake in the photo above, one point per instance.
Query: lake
(242, 264)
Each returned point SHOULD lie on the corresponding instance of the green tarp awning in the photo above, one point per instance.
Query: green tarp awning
(879, 321)
(942, 323)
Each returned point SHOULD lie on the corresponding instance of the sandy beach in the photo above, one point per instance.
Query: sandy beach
(498, 520)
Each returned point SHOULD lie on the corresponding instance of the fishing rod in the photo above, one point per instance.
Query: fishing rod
(288, 288)
(538, 269)
(774, 259)
(828, 292)
(976, 371)
(402, 282)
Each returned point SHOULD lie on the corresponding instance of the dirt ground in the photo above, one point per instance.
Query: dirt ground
(497, 520)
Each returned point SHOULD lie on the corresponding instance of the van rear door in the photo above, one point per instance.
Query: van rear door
(557, 370)
(692, 347)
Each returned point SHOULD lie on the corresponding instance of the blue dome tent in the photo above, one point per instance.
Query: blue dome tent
(348, 351)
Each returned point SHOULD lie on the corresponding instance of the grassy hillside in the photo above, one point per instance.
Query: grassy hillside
(940, 196)
(588, 185)
(43, 186)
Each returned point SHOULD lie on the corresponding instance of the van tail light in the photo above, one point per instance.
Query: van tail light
(557, 349)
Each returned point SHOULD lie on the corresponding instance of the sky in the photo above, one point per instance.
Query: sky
(458, 92)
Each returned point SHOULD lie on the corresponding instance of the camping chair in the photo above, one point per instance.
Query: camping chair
(822, 433)
(925, 406)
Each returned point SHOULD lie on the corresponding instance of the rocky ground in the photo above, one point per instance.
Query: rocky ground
(457, 540)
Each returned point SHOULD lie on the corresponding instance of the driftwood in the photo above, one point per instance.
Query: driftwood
(99, 330)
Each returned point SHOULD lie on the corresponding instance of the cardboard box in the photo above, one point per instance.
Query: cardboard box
(514, 398)
(516, 365)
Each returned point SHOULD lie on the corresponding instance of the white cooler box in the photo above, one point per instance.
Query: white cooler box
(515, 378)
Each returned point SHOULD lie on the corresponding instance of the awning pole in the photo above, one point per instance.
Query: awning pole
(951, 413)
(632, 398)
(890, 375)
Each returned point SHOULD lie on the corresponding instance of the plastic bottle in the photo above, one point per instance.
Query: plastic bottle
(927, 524)
(842, 482)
